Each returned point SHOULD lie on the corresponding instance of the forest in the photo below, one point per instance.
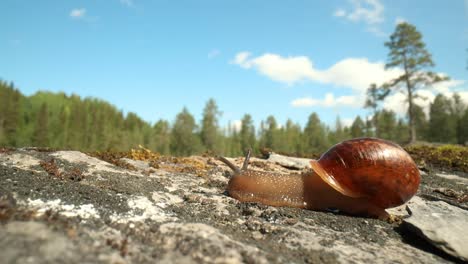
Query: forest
(61, 121)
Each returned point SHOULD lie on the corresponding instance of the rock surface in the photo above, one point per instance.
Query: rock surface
(443, 225)
(68, 207)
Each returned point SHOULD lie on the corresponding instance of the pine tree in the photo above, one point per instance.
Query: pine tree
(209, 128)
(247, 133)
(442, 128)
(386, 124)
(408, 51)
(457, 111)
(270, 134)
(184, 140)
(233, 143)
(315, 138)
(10, 114)
(358, 128)
(41, 131)
(292, 138)
(463, 136)
(421, 122)
(161, 137)
(339, 134)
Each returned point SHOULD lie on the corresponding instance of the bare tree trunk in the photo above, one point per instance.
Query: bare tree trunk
(409, 87)
(412, 128)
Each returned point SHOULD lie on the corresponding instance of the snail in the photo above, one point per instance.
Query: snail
(361, 176)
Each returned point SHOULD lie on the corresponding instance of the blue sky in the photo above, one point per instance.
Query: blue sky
(284, 58)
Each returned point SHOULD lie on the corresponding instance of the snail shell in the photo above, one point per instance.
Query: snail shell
(362, 176)
(376, 169)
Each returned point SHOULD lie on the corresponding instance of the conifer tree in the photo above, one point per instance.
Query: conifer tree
(184, 140)
(315, 138)
(270, 134)
(247, 133)
(209, 127)
(442, 128)
(408, 52)
(358, 128)
(386, 124)
(463, 136)
(161, 137)
(292, 138)
(457, 111)
(41, 131)
(421, 122)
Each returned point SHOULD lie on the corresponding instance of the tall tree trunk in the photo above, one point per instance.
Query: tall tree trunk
(409, 87)
(412, 128)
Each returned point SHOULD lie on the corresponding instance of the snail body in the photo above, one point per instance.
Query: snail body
(361, 176)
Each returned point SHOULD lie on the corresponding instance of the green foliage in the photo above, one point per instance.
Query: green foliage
(442, 125)
(60, 121)
(247, 134)
(463, 128)
(10, 116)
(358, 128)
(209, 129)
(291, 138)
(315, 138)
(421, 122)
(41, 131)
(457, 112)
(339, 134)
(408, 52)
(385, 124)
(269, 134)
(184, 139)
(161, 137)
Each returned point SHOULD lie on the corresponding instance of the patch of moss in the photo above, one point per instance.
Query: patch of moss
(113, 158)
(155, 160)
(450, 157)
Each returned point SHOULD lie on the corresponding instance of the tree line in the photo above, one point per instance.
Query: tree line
(63, 121)
(60, 121)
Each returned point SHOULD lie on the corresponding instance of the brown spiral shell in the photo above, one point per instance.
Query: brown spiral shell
(369, 167)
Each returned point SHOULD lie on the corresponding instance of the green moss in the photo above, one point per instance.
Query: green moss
(450, 157)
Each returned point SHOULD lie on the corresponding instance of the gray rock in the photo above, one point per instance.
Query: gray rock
(178, 213)
(443, 225)
(33, 242)
(289, 162)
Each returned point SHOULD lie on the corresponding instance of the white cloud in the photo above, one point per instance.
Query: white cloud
(347, 122)
(376, 31)
(78, 13)
(356, 73)
(305, 102)
(399, 20)
(127, 2)
(370, 12)
(466, 7)
(213, 53)
(241, 58)
(236, 125)
(340, 13)
(328, 101)
(398, 101)
(287, 70)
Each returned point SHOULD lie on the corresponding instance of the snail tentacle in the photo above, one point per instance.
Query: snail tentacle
(361, 176)
(246, 160)
(229, 164)
(234, 167)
